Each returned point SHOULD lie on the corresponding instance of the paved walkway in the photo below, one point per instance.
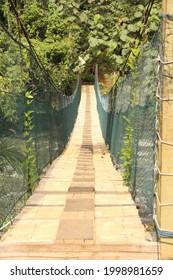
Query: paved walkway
(80, 210)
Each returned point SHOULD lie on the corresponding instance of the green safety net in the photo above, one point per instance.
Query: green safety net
(51, 115)
(127, 117)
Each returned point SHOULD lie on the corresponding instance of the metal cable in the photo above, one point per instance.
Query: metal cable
(162, 233)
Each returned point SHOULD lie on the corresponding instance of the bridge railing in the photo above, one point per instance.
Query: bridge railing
(36, 132)
(127, 117)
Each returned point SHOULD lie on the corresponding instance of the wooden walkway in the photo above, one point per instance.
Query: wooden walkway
(80, 210)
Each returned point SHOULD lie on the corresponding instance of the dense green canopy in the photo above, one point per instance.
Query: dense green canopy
(72, 36)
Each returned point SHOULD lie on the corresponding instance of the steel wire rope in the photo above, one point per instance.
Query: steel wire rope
(162, 233)
(138, 35)
(11, 209)
(32, 49)
(12, 37)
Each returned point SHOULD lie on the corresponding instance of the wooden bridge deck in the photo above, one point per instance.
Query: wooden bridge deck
(80, 210)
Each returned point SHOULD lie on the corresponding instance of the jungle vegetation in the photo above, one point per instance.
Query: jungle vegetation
(67, 37)
(64, 38)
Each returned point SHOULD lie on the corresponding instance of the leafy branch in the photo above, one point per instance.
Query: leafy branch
(30, 163)
(126, 151)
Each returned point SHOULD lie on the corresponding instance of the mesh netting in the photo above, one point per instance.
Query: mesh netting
(48, 120)
(127, 116)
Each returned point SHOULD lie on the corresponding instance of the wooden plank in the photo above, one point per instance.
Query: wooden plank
(81, 246)
(81, 256)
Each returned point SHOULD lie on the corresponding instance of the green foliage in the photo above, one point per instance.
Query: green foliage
(110, 31)
(34, 19)
(64, 32)
(126, 151)
(10, 73)
(141, 87)
(30, 162)
(11, 155)
(69, 37)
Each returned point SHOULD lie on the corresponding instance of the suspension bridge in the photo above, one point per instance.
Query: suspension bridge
(80, 209)
(76, 144)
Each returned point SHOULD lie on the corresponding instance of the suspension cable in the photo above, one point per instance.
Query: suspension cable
(11, 36)
(140, 34)
(31, 47)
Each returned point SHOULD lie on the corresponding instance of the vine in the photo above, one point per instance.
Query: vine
(126, 151)
(30, 163)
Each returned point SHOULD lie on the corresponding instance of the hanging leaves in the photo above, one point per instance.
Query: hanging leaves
(105, 31)
(138, 15)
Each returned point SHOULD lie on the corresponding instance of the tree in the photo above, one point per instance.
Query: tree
(72, 36)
